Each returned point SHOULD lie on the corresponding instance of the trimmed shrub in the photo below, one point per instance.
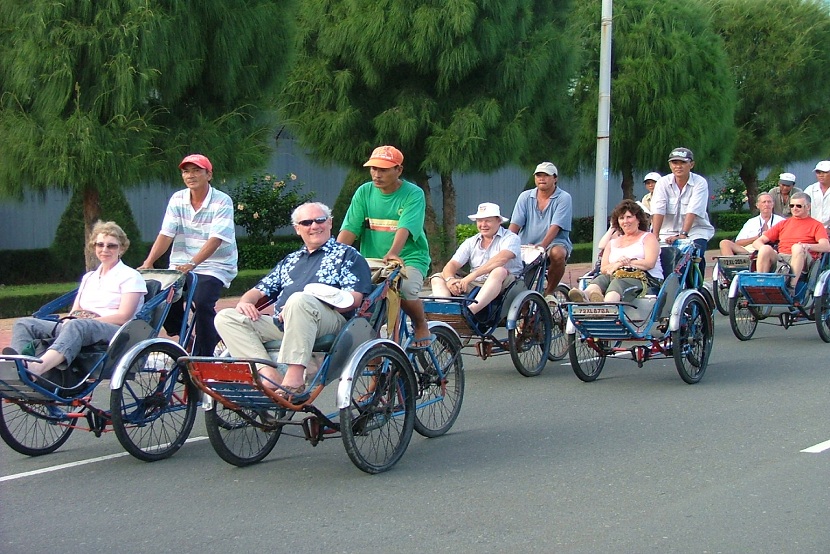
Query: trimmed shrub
(266, 256)
(729, 221)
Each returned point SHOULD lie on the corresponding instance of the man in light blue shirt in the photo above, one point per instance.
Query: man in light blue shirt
(542, 216)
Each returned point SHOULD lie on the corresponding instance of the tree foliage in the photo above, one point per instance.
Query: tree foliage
(670, 86)
(99, 95)
(778, 52)
(457, 85)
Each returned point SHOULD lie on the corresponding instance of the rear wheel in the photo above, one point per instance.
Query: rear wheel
(822, 313)
(692, 342)
(154, 408)
(586, 362)
(439, 394)
(244, 437)
(742, 318)
(559, 319)
(721, 293)
(377, 424)
(530, 340)
(34, 429)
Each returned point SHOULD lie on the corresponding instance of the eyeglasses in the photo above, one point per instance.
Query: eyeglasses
(796, 205)
(106, 245)
(308, 222)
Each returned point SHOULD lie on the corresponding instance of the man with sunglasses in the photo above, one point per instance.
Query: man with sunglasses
(387, 216)
(800, 240)
(300, 317)
(199, 224)
(819, 193)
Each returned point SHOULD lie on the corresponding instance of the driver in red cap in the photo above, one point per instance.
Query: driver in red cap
(199, 225)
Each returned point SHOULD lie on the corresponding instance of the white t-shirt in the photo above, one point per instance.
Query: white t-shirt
(102, 294)
(752, 228)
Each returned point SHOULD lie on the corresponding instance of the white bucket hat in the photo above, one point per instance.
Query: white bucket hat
(488, 209)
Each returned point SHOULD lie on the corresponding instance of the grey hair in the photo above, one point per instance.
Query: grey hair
(760, 194)
(800, 195)
(325, 209)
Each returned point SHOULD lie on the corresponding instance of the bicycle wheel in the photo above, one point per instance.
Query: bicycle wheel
(586, 362)
(237, 438)
(742, 318)
(154, 409)
(34, 429)
(439, 398)
(377, 425)
(692, 342)
(721, 294)
(559, 320)
(530, 340)
(822, 313)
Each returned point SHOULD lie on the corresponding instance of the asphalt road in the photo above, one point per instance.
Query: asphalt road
(637, 461)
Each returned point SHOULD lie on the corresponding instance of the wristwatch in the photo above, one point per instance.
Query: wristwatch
(683, 234)
(193, 263)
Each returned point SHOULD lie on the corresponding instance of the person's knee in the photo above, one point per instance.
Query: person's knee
(498, 275)
(557, 255)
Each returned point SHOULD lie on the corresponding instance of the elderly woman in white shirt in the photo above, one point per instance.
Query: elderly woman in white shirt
(107, 298)
(495, 259)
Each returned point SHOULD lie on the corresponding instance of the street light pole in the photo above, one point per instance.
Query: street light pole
(603, 128)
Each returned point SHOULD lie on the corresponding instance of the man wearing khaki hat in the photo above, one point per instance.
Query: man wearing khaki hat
(543, 216)
(494, 255)
(782, 193)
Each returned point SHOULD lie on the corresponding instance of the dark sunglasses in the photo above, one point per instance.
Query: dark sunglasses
(107, 245)
(796, 205)
(308, 222)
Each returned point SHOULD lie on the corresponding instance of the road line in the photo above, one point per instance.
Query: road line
(816, 448)
(78, 463)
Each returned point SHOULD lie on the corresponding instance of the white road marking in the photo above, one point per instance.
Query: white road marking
(78, 463)
(816, 448)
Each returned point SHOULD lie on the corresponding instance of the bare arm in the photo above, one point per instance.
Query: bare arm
(759, 242)
(210, 246)
(126, 309)
(656, 224)
(501, 258)
(553, 230)
(247, 303)
(159, 247)
(397, 245)
(346, 237)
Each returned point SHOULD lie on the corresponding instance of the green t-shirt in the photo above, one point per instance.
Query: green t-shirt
(374, 217)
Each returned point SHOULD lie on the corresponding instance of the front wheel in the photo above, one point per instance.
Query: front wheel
(721, 293)
(559, 320)
(530, 340)
(245, 437)
(34, 429)
(742, 318)
(586, 362)
(822, 313)
(154, 408)
(439, 392)
(377, 424)
(692, 342)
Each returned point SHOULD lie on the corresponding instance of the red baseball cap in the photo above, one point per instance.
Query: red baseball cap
(198, 160)
(385, 156)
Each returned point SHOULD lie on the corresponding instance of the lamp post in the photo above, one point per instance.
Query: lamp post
(603, 128)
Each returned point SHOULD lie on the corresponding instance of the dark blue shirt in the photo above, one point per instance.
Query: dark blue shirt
(333, 263)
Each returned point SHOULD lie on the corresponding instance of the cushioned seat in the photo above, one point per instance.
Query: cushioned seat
(322, 344)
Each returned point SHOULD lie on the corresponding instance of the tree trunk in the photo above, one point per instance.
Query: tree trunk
(749, 177)
(449, 220)
(430, 220)
(627, 184)
(92, 213)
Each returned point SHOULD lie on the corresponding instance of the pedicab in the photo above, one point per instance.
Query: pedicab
(675, 321)
(533, 327)
(766, 298)
(384, 390)
(723, 272)
(152, 404)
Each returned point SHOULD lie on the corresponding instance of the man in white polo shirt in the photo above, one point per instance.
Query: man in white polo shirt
(819, 193)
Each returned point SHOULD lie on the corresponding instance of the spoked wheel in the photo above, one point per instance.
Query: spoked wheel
(559, 319)
(692, 342)
(530, 340)
(721, 294)
(742, 318)
(822, 313)
(377, 424)
(246, 437)
(153, 410)
(439, 393)
(34, 429)
(586, 362)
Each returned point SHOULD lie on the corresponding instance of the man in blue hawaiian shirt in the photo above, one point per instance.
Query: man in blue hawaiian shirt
(300, 317)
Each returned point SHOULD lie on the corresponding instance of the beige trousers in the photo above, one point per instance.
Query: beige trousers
(305, 319)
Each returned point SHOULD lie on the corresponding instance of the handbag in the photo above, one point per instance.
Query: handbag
(633, 273)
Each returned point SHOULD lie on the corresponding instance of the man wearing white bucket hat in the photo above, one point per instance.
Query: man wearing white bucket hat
(315, 290)
(495, 259)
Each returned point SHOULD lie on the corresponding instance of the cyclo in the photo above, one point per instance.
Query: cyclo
(723, 272)
(764, 297)
(383, 392)
(535, 330)
(152, 404)
(676, 322)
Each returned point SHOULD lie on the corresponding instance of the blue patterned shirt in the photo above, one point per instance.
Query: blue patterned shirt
(333, 263)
